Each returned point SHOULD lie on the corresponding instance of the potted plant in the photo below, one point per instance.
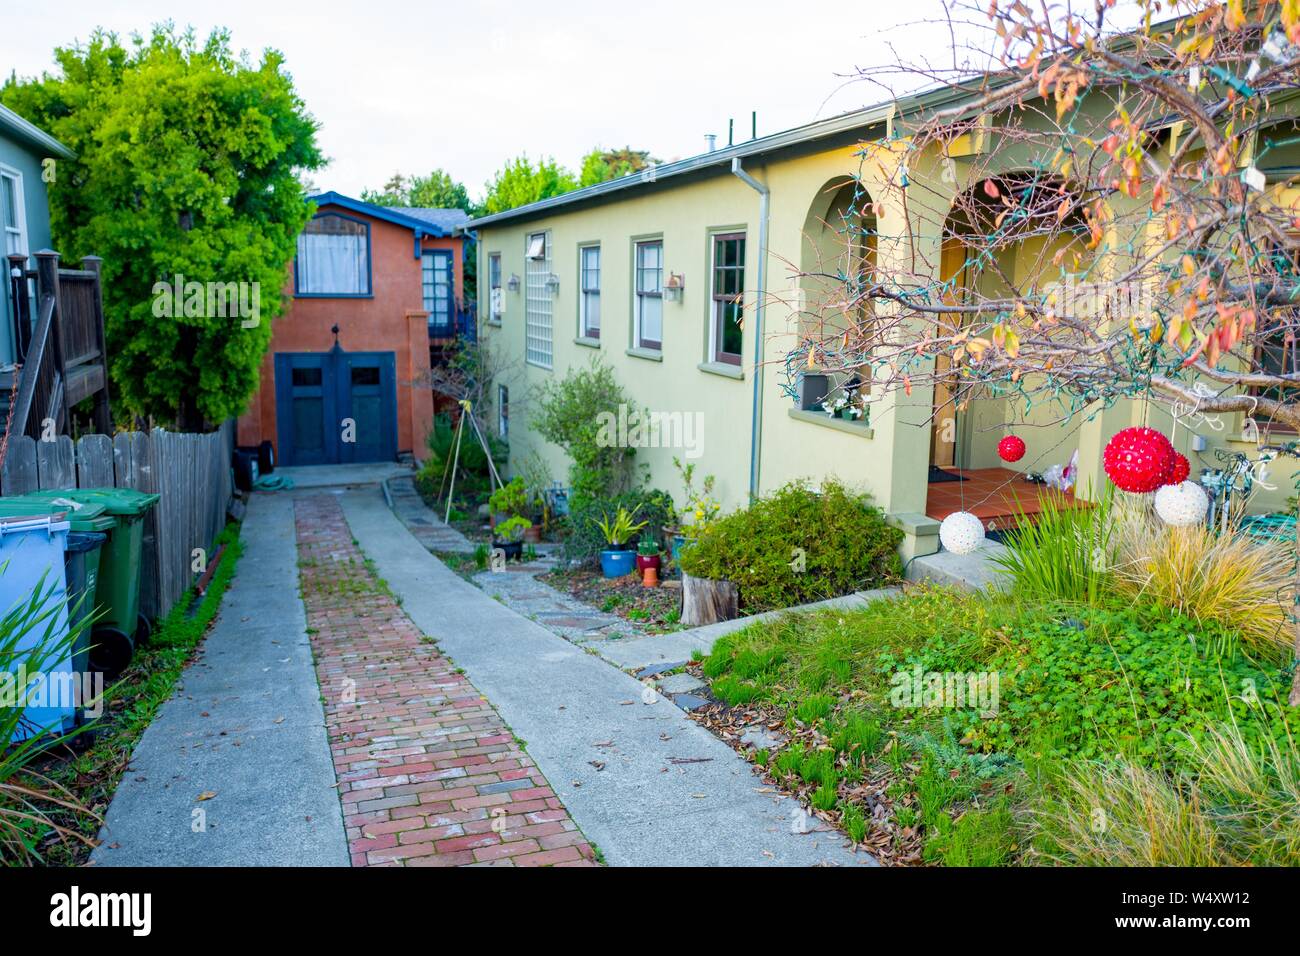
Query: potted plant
(648, 561)
(618, 557)
(508, 535)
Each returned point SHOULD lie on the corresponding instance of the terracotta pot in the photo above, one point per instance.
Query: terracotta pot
(533, 534)
(650, 576)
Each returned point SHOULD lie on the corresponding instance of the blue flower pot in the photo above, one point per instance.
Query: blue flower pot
(615, 564)
(678, 541)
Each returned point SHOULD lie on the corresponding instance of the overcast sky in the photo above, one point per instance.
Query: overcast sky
(463, 86)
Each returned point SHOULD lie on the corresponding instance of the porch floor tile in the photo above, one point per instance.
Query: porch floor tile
(998, 496)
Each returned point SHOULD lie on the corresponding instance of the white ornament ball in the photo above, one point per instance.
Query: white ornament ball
(961, 532)
(1182, 505)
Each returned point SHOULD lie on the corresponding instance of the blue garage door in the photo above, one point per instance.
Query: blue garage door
(335, 407)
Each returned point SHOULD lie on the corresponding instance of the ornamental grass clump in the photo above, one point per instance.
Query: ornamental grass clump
(1244, 584)
(1063, 553)
(1238, 804)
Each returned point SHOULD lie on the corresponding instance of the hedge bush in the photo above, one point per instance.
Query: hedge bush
(798, 545)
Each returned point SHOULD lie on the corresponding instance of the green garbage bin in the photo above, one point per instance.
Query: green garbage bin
(88, 530)
(118, 589)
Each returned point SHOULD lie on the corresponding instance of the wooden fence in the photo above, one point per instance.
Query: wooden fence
(190, 472)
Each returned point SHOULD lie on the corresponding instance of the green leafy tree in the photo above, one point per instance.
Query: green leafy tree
(521, 181)
(190, 163)
(602, 165)
(434, 191)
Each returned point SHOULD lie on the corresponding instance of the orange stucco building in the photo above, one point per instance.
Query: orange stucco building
(346, 376)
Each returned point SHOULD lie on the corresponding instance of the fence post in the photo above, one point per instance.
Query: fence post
(47, 283)
(22, 306)
(103, 412)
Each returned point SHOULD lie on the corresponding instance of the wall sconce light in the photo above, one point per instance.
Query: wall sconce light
(513, 283)
(553, 284)
(674, 287)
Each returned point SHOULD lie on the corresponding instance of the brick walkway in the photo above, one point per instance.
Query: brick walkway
(429, 774)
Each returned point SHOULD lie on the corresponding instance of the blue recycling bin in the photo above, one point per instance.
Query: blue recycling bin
(32, 553)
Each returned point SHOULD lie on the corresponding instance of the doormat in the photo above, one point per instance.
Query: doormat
(938, 475)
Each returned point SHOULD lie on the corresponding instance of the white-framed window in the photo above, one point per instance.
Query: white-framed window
(333, 257)
(496, 297)
(503, 411)
(589, 292)
(648, 291)
(537, 300)
(13, 212)
(726, 298)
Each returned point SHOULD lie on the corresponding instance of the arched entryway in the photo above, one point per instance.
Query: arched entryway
(1004, 238)
(837, 260)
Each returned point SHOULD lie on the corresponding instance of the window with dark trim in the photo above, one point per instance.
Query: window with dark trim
(649, 295)
(589, 301)
(496, 298)
(727, 303)
(436, 279)
(333, 257)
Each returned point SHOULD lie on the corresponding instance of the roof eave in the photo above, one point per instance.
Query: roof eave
(33, 135)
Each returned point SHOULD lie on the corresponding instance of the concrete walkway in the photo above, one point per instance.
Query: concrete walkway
(645, 783)
(428, 528)
(246, 727)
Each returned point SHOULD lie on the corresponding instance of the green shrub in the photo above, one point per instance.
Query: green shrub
(798, 545)
(584, 541)
(1097, 682)
(572, 412)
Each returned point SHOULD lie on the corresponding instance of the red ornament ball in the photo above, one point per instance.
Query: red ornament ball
(1139, 460)
(1182, 468)
(1011, 448)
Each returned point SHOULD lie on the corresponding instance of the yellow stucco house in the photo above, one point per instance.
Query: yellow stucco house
(649, 272)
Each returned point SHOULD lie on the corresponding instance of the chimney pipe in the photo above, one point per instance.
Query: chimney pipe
(712, 140)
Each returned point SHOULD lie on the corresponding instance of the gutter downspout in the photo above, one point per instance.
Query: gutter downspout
(756, 424)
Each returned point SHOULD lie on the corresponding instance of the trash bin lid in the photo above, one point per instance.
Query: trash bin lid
(116, 501)
(18, 507)
(81, 515)
(79, 541)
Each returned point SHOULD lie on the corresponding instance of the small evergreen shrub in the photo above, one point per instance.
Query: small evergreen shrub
(798, 545)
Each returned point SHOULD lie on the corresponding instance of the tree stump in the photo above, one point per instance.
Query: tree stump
(707, 601)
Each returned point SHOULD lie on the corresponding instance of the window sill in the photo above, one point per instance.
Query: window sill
(333, 295)
(492, 323)
(587, 342)
(725, 369)
(650, 355)
(860, 429)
